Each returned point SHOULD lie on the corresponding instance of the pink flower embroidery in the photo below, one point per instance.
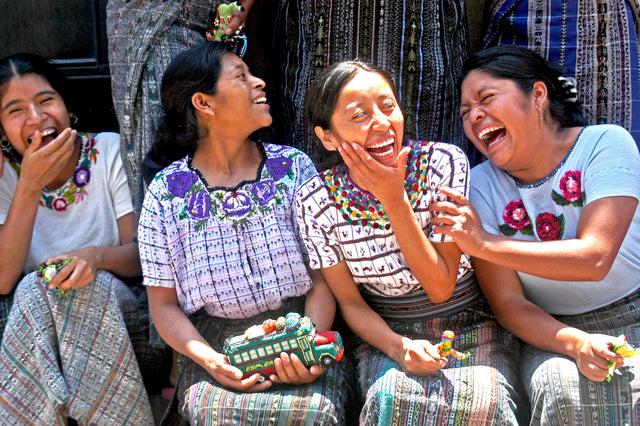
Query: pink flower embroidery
(515, 215)
(547, 227)
(59, 204)
(570, 185)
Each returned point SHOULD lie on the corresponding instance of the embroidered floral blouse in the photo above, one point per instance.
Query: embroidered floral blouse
(604, 162)
(232, 251)
(338, 220)
(82, 212)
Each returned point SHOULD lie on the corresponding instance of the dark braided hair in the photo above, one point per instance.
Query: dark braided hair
(195, 70)
(524, 67)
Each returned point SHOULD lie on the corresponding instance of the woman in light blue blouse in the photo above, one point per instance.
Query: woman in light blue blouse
(555, 235)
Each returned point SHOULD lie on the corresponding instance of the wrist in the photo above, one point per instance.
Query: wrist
(29, 187)
(572, 340)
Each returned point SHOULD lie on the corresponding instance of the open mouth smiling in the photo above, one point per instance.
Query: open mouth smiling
(383, 148)
(491, 135)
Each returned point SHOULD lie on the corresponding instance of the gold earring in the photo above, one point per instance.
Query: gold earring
(540, 116)
(74, 119)
(4, 143)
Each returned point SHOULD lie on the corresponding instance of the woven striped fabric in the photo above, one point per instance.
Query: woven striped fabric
(5, 307)
(144, 36)
(594, 41)
(560, 395)
(422, 44)
(203, 402)
(73, 352)
(482, 389)
(417, 304)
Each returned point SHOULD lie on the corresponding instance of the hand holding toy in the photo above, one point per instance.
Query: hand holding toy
(48, 273)
(622, 348)
(445, 348)
(256, 349)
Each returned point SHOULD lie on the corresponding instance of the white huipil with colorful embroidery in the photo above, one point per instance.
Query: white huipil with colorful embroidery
(604, 162)
(98, 185)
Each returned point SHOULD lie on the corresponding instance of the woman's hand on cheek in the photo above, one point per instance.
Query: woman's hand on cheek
(231, 377)
(457, 218)
(420, 358)
(42, 165)
(290, 369)
(384, 182)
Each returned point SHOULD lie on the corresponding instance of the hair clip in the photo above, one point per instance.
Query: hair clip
(238, 40)
(569, 86)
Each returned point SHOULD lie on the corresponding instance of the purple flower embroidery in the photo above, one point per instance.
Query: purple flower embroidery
(547, 226)
(59, 204)
(278, 167)
(81, 176)
(180, 182)
(264, 191)
(236, 204)
(199, 205)
(570, 185)
(515, 215)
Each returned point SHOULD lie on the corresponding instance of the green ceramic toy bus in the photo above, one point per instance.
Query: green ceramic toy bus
(255, 351)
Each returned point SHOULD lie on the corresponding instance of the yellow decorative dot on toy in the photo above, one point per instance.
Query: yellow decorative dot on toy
(445, 347)
(622, 348)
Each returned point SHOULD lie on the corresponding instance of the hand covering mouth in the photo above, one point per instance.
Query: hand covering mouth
(46, 136)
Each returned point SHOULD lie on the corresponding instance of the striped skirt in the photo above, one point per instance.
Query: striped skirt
(74, 352)
(482, 389)
(201, 401)
(560, 395)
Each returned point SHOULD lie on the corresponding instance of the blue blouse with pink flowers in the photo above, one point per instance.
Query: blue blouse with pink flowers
(604, 162)
(233, 251)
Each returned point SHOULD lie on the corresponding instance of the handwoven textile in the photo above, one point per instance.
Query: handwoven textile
(481, 390)
(144, 36)
(421, 43)
(595, 41)
(204, 402)
(559, 394)
(73, 351)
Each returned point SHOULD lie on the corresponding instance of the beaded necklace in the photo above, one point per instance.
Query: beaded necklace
(357, 206)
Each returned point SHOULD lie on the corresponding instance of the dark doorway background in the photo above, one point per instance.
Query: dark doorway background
(72, 34)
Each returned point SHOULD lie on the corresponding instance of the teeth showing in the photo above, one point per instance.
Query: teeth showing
(389, 141)
(261, 100)
(47, 132)
(488, 130)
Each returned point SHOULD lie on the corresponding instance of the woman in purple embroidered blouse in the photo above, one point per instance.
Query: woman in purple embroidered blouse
(219, 247)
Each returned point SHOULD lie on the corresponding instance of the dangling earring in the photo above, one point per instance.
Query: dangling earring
(74, 119)
(4, 143)
(540, 116)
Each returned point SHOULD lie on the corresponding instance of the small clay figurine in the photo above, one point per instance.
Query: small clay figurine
(445, 348)
(48, 272)
(622, 348)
